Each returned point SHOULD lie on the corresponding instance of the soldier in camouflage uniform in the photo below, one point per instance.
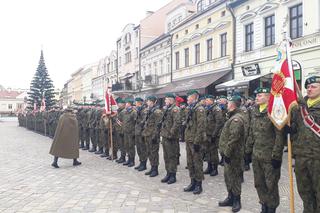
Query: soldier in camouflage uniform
(215, 123)
(306, 147)
(250, 106)
(117, 122)
(232, 145)
(98, 116)
(151, 134)
(50, 122)
(87, 117)
(222, 104)
(195, 135)
(170, 126)
(139, 140)
(265, 143)
(129, 121)
(81, 115)
(92, 126)
(104, 134)
(183, 119)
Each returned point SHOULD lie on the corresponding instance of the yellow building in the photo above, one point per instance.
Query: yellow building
(202, 49)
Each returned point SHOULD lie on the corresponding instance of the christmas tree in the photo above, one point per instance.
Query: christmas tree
(41, 87)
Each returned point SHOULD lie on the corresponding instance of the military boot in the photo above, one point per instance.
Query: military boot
(149, 172)
(86, 147)
(221, 163)
(166, 178)
(105, 154)
(81, 145)
(172, 178)
(246, 167)
(214, 171)
(99, 152)
(131, 163)
(127, 162)
(264, 208)
(143, 166)
(198, 188)
(76, 162)
(93, 149)
(191, 186)
(122, 159)
(154, 172)
(236, 206)
(137, 167)
(271, 210)
(228, 201)
(208, 170)
(55, 163)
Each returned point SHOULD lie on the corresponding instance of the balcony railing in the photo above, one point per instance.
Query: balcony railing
(128, 86)
(151, 80)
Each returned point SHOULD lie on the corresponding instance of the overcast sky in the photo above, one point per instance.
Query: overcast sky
(72, 32)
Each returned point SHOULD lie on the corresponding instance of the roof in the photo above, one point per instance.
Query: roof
(237, 3)
(163, 36)
(5, 94)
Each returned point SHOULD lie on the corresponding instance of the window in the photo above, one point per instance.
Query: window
(197, 53)
(128, 57)
(296, 21)
(186, 57)
(177, 36)
(137, 52)
(177, 60)
(197, 26)
(223, 13)
(200, 5)
(209, 20)
(249, 37)
(9, 106)
(161, 67)
(269, 31)
(155, 66)
(223, 44)
(186, 32)
(209, 49)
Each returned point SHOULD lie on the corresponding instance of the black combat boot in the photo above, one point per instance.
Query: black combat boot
(131, 163)
(236, 206)
(264, 208)
(246, 167)
(105, 154)
(149, 172)
(166, 178)
(191, 186)
(55, 163)
(198, 188)
(208, 169)
(127, 162)
(76, 162)
(228, 201)
(81, 145)
(122, 159)
(154, 172)
(99, 152)
(172, 178)
(137, 167)
(271, 210)
(221, 163)
(86, 147)
(214, 171)
(143, 166)
(242, 177)
(93, 149)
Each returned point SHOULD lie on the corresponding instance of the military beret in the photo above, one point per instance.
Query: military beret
(236, 99)
(222, 96)
(262, 90)
(202, 98)
(209, 96)
(311, 80)
(138, 99)
(170, 95)
(120, 100)
(152, 98)
(129, 100)
(192, 92)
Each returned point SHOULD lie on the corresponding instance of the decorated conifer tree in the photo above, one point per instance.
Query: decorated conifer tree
(41, 87)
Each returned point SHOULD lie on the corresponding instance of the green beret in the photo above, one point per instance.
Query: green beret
(262, 90)
(120, 100)
(311, 80)
(209, 96)
(152, 98)
(170, 95)
(129, 100)
(222, 96)
(202, 98)
(138, 99)
(192, 92)
(235, 99)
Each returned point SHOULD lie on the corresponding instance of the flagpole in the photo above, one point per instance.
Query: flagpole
(111, 139)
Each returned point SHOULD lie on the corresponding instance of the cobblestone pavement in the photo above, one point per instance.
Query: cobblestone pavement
(29, 184)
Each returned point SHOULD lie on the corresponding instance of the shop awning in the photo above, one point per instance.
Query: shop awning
(236, 83)
(199, 83)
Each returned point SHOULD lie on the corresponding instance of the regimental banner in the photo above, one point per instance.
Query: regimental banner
(110, 103)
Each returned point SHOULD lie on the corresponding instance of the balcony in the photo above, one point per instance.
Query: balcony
(151, 80)
(123, 87)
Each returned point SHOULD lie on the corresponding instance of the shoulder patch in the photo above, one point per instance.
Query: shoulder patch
(236, 119)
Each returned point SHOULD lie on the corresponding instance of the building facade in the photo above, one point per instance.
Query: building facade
(12, 101)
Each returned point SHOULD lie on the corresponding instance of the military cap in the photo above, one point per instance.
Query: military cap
(222, 96)
(235, 99)
(170, 95)
(192, 92)
(120, 100)
(152, 98)
(311, 80)
(262, 90)
(138, 99)
(209, 96)
(129, 100)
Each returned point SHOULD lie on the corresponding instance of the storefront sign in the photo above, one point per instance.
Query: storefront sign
(250, 70)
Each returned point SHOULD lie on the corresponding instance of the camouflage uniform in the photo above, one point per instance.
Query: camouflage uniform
(104, 134)
(98, 115)
(92, 126)
(306, 149)
(129, 116)
(119, 137)
(265, 143)
(215, 122)
(151, 136)
(170, 126)
(139, 140)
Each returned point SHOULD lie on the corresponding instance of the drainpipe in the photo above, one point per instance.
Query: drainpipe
(171, 64)
(234, 38)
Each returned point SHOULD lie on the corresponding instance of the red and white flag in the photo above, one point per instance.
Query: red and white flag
(110, 103)
(283, 91)
(43, 105)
